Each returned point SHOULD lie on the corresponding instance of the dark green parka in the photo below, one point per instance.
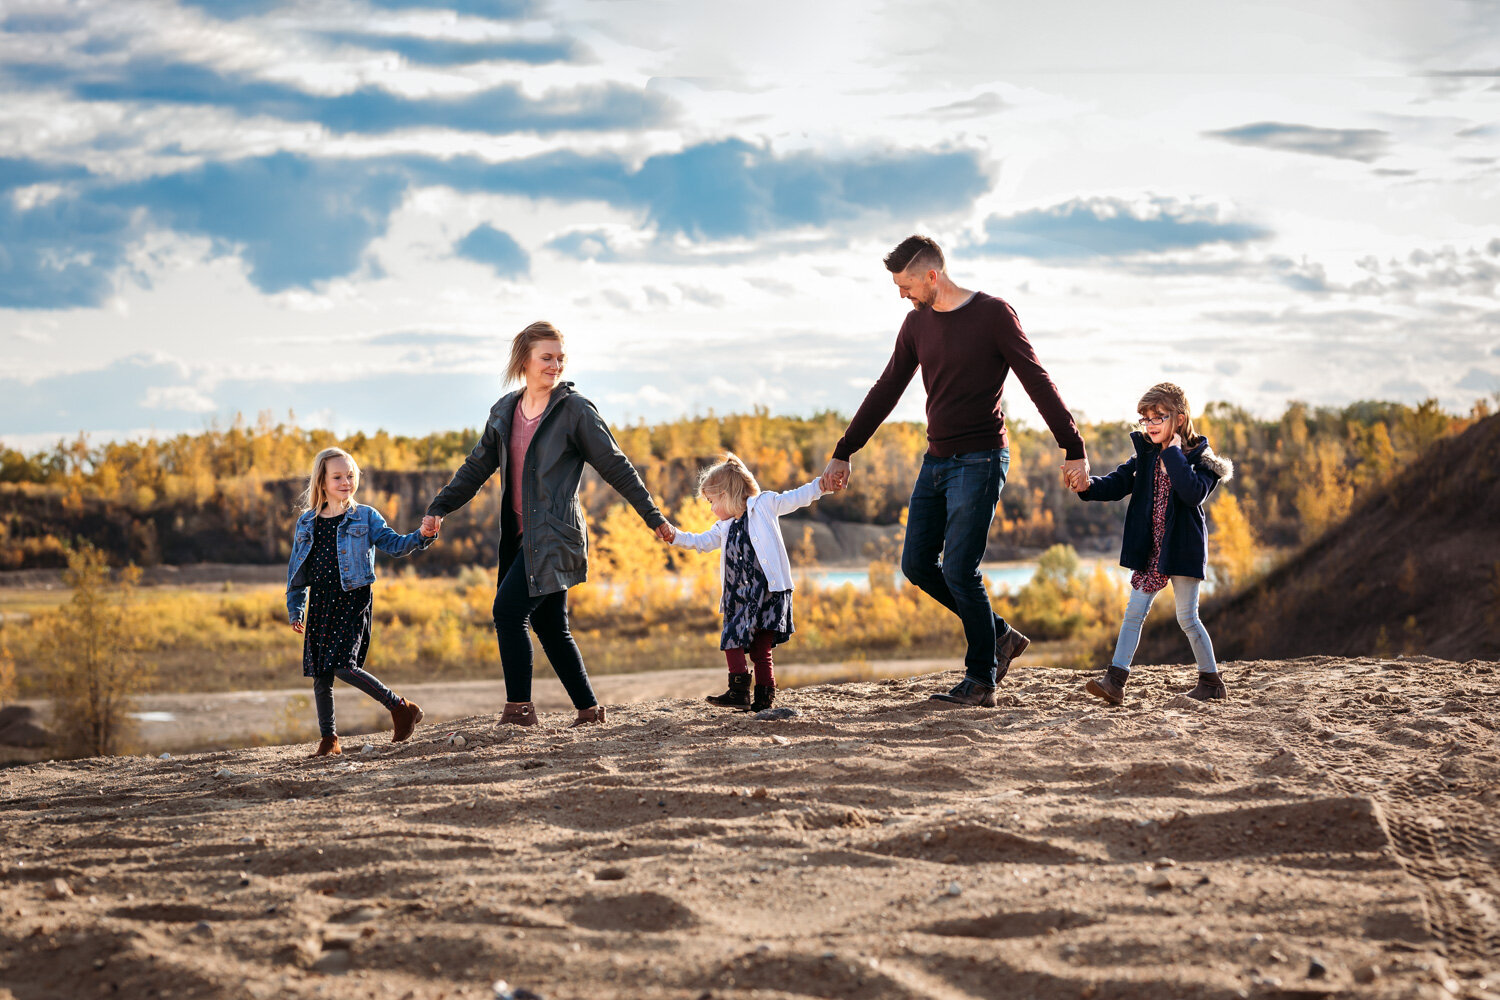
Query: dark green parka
(554, 539)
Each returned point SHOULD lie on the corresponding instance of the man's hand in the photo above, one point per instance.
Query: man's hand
(1075, 474)
(836, 475)
(297, 627)
(431, 525)
(666, 532)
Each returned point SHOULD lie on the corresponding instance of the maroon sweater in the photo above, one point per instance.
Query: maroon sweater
(964, 354)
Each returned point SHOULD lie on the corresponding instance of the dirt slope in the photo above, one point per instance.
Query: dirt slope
(1338, 811)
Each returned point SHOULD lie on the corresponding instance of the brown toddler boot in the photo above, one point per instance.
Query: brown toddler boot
(1109, 685)
(328, 746)
(738, 695)
(588, 717)
(518, 713)
(765, 697)
(1210, 688)
(404, 716)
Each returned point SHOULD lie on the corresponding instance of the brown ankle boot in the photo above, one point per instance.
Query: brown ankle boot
(738, 695)
(588, 717)
(518, 713)
(765, 697)
(1109, 685)
(404, 717)
(1210, 688)
(328, 746)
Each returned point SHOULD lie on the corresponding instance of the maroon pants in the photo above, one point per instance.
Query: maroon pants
(760, 655)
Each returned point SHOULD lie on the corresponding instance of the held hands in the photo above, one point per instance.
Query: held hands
(1075, 474)
(666, 532)
(835, 476)
(297, 627)
(431, 525)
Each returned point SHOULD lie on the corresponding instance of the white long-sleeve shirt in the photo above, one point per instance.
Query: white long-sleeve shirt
(765, 534)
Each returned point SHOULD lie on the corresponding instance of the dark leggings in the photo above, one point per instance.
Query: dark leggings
(355, 677)
(547, 615)
(760, 655)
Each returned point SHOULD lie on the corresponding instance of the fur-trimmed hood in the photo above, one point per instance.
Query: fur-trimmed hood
(1199, 454)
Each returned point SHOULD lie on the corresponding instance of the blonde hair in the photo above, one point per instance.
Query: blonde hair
(520, 347)
(316, 495)
(729, 477)
(1171, 400)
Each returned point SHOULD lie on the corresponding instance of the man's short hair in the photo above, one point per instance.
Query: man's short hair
(922, 251)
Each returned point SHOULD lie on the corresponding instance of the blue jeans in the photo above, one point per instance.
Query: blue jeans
(1185, 590)
(952, 505)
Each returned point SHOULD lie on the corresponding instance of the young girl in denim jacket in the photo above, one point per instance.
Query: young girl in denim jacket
(333, 559)
(1169, 477)
(754, 570)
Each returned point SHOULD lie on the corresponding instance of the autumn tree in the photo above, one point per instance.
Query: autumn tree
(1233, 552)
(91, 656)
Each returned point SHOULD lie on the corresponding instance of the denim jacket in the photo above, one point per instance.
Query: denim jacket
(360, 533)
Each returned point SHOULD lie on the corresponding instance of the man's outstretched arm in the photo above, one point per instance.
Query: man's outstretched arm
(878, 404)
(1016, 347)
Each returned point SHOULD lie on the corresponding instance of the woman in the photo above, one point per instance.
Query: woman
(538, 438)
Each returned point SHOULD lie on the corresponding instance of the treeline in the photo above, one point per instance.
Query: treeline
(227, 494)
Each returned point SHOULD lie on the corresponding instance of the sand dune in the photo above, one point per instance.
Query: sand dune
(1331, 832)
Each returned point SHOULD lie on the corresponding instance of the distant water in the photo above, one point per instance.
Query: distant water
(1012, 575)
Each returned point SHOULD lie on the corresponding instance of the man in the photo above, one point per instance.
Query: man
(965, 343)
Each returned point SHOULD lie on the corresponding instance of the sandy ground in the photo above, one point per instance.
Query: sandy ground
(1330, 832)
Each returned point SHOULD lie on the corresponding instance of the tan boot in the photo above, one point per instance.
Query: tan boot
(329, 747)
(404, 717)
(518, 713)
(588, 717)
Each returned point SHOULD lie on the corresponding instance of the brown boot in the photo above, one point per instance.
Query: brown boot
(738, 695)
(588, 717)
(765, 697)
(404, 716)
(328, 746)
(1210, 688)
(1109, 685)
(1007, 647)
(518, 713)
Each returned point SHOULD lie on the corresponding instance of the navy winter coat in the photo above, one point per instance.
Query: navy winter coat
(1193, 474)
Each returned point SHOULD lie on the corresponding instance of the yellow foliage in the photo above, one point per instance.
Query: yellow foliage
(1233, 552)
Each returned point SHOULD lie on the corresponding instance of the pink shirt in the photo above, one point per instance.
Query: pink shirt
(521, 433)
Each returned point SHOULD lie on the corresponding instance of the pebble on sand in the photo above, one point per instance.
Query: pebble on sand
(613, 873)
(58, 889)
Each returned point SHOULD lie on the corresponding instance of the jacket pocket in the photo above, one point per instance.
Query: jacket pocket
(359, 530)
(569, 532)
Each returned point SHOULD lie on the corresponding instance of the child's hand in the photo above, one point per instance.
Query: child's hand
(666, 532)
(431, 525)
(297, 627)
(1176, 441)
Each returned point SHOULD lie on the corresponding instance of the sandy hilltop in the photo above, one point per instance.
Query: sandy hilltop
(1331, 832)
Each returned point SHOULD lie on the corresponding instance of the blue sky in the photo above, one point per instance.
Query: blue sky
(344, 209)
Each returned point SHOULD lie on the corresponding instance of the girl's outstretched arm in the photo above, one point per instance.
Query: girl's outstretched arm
(705, 541)
(1115, 486)
(393, 543)
(785, 503)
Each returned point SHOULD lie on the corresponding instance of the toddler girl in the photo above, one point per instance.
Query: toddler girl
(1168, 479)
(754, 571)
(333, 556)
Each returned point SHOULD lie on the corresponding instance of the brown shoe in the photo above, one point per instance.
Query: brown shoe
(738, 695)
(588, 717)
(328, 746)
(1210, 688)
(968, 692)
(404, 716)
(1109, 685)
(1007, 647)
(518, 713)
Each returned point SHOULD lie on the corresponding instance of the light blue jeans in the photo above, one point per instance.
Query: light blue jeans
(1185, 590)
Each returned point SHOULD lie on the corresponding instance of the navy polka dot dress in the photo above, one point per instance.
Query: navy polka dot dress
(337, 633)
(750, 606)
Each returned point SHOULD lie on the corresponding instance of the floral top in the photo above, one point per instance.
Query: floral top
(1152, 580)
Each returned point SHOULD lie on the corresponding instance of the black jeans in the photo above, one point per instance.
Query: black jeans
(355, 677)
(951, 507)
(515, 609)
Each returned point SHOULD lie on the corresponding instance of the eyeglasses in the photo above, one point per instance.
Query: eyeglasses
(1153, 421)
